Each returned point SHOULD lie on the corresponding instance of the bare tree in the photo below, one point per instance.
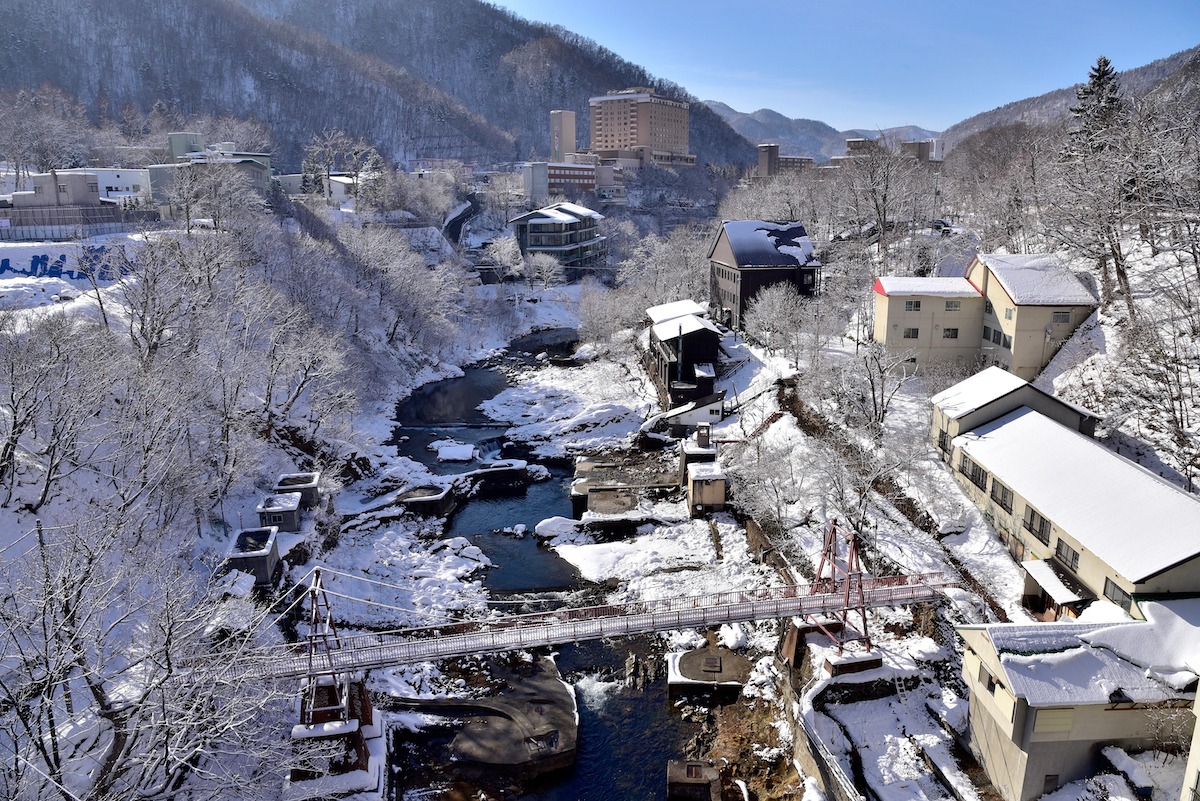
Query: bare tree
(111, 688)
(868, 384)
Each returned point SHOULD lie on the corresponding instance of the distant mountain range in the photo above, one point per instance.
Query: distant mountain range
(800, 137)
(1178, 74)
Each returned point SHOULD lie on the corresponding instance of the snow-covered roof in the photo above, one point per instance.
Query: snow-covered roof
(578, 211)
(280, 502)
(1043, 572)
(558, 213)
(681, 326)
(1131, 519)
(698, 403)
(705, 471)
(940, 287)
(1038, 279)
(1063, 664)
(549, 216)
(676, 308)
(979, 390)
(760, 243)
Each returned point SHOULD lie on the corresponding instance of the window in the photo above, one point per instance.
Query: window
(62, 189)
(944, 441)
(949, 333)
(988, 308)
(695, 771)
(1002, 495)
(912, 305)
(93, 188)
(37, 190)
(988, 680)
(996, 336)
(953, 305)
(1060, 317)
(1036, 525)
(1008, 314)
(1117, 595)
(1067, 555)
(987, 334)
(974, 473)
(1006, 342)
(911, 333)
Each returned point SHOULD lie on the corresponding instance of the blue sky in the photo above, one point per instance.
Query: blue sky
(873, 64)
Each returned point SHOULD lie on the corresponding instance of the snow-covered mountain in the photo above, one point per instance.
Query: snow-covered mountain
(440, 78)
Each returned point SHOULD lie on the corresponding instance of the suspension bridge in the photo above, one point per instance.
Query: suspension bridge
(328, 653)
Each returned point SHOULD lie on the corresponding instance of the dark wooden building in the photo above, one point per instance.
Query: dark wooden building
(748, 255)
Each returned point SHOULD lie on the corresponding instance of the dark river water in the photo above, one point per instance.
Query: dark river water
(626, 736)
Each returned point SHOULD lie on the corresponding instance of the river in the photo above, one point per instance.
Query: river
(626, 736)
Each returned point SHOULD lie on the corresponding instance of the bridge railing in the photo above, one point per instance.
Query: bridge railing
(593, 622)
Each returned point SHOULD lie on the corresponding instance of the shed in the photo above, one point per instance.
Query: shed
(256, 551)
(281, 509)
(705, 488)
(307, 484)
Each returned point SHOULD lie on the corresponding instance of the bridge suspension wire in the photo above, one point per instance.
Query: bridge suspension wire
(519, 632)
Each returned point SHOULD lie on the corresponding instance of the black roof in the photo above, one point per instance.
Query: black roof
(771, 244)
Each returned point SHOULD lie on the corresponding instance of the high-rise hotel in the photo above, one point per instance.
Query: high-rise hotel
(639, 124)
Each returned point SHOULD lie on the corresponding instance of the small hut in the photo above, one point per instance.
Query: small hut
(281, 510)
(256, 551)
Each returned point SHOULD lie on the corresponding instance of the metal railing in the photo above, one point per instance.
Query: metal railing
(521, 632)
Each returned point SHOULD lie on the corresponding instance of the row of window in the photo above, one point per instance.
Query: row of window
(915, 305)
(997, 337)
(1033, 522)
(915, 333)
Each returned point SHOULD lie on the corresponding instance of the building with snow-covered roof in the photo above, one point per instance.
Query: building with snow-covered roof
(1011, 311)
(1045, 698)
(676, 308)
(993, 393)
(1032, 305)
(682, 354)
(1083, 521)
(568, 232)
(749, 255)
(931, 319)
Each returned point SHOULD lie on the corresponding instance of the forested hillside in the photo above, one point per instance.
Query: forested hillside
(453, 78)
(1055, 106)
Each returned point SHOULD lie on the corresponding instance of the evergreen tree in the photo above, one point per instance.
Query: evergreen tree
(1099, 110)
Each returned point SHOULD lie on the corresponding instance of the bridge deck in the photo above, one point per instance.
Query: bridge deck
(520, 632)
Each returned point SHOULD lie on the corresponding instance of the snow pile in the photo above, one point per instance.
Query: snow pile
(563, 410)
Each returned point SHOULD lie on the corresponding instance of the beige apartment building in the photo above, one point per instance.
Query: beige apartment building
(1032, 305)
(1045, 699)
(932, 319)
(637, 123)
(1083, 522)
(1015, 312)
(562, 134)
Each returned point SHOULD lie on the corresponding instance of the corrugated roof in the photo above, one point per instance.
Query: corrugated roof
(1068, 664)
(941, 287)
(1134, 521)
(768, 244)
(1038, 279)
